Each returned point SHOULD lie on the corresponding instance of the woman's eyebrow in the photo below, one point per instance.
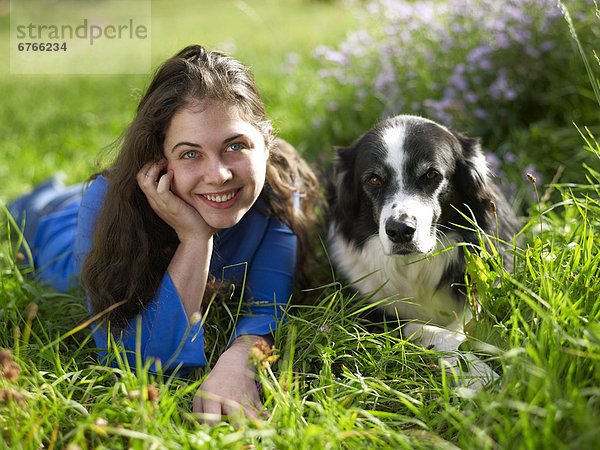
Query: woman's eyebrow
(189, 144)
(232, 138)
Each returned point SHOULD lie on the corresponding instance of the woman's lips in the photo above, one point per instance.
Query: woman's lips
(221, 200)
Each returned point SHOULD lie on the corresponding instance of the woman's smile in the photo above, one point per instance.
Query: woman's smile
(221, 200)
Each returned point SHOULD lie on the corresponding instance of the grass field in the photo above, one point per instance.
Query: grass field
(338, 383)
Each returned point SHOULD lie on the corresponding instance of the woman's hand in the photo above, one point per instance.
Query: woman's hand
(179, 215)
(230, 388)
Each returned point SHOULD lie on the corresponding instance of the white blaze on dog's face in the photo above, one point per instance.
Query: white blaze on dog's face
(409, 183)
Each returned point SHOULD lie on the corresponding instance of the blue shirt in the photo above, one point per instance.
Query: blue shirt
(259, 252)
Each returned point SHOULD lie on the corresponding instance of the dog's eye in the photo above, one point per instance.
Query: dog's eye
(432, 174)
(375, 180)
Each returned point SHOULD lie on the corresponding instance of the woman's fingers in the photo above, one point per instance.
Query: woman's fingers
(157, 187)
(164, 183)
(208, 407)
(211, 408)
(151, 170)
(197, 405)
(148, 176)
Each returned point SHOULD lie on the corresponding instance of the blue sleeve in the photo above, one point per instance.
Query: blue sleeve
(164, 331)
(53, 248)
(89, 208)
(269, 281)
(49, 213)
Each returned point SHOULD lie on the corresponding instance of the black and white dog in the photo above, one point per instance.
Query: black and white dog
(402, 193)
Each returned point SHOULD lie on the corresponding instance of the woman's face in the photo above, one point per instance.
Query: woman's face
(218, 160)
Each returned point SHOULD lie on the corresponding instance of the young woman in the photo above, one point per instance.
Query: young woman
(200, 190)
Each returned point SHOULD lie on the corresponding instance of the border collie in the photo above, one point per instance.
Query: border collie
(402, 196)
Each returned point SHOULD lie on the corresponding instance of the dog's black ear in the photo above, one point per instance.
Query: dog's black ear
(472, 173)
(347, 195)
(478, 191)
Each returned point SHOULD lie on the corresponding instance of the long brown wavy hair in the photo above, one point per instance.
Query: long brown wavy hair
(132, 245)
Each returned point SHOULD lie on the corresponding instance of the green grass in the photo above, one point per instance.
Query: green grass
(338, 383)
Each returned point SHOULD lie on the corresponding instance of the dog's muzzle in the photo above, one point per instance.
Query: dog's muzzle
(400, 231)
(405, 226)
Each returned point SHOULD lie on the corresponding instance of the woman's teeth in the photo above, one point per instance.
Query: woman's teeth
(219, 198)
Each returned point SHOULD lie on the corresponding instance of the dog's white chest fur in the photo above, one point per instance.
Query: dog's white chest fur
(408, 286)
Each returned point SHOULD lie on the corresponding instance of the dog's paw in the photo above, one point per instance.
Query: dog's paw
(468, 371)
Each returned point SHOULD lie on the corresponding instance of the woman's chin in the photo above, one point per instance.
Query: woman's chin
(224, 220)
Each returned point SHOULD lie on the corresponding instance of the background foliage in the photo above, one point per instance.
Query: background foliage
(503, 71)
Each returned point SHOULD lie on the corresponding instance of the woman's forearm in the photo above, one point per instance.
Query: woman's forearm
(189, 271)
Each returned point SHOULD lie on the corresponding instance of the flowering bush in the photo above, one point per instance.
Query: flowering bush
(488, 67)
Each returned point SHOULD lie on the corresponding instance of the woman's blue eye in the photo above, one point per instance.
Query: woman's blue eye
(190, 154)
(236, 146)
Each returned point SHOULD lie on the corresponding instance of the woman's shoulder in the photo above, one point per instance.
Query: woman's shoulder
(95, 192)
(99, 183)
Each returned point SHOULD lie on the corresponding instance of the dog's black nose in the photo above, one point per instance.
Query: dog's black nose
(400, 231)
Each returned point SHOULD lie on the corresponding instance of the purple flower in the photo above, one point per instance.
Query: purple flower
(510, 158)
(325, 328)
(384, 80)
(459, 81)
(480, 113)
(502, 40)
(495, 164)
(478, 53)
(500, 89)
(510, 94)
(471, 97)
(493, 161)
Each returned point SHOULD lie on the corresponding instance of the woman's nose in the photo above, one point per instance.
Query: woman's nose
(217, 172)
